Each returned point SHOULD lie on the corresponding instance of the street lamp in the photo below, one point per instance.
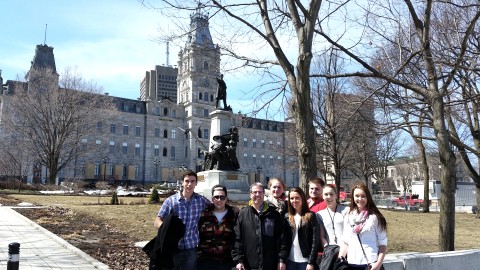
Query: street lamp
(259, 169)
(105, 160)
(156, 162)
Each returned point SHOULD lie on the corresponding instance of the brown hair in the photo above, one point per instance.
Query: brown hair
(190, 173)
(305, 211)
(317, 180)
(371, 207)
(270, 183)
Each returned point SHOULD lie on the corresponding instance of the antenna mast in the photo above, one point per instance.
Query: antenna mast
(168, 54)
(45, 37)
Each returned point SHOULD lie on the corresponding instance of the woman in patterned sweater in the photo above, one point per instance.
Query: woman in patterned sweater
(216, 232)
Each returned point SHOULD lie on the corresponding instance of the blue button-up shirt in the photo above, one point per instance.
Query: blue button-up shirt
(188, 212)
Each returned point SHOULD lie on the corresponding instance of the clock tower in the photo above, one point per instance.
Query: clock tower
(198, 68)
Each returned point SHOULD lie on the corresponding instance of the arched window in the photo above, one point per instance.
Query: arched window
(200, 96)
(205, 96)
(199, 133)
(165, 133)
(165, 151)
(165, 111)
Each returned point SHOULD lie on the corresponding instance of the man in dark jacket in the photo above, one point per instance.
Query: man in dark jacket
(260, 242)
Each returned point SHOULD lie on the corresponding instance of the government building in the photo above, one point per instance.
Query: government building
(167, 129)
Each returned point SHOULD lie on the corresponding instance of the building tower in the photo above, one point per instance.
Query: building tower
(198, 68)
(43, 66)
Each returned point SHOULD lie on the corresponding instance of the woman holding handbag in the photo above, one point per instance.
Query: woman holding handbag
(304, 230)
(332, 218)
(365, 232)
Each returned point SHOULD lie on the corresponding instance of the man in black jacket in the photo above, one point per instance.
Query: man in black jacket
(259, 235)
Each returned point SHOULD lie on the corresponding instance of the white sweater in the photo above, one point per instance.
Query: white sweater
(338, 216)
(371, 235)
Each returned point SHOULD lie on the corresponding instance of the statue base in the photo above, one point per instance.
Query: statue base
(237, 184)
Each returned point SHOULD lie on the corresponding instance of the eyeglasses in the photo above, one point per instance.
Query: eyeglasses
(218, 197)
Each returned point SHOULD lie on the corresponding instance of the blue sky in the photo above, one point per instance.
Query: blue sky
(107, 41)
(110, 42)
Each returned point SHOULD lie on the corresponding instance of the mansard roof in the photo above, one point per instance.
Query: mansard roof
(44, 58)
(199, 30)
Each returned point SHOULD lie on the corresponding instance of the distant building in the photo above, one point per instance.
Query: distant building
(160, 83)
(407, 171)
(168, 128)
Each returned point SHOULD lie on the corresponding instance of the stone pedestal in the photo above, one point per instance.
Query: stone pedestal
(237, 184)
(221, 123)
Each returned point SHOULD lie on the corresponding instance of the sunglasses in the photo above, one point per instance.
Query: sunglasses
(218, 197)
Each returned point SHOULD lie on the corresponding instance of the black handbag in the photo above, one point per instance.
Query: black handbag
(341, 264)
(329, 257)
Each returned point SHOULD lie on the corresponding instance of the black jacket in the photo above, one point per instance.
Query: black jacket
(160, 249)
(260, 242)
(308, 237)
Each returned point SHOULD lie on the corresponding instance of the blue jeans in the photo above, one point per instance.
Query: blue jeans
(206, 264)
(185, 259)
(296, 265)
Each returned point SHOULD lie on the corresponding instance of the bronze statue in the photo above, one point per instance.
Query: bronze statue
(222, 93)
(223, 155)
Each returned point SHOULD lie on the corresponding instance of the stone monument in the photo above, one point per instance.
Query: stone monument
(221, 165)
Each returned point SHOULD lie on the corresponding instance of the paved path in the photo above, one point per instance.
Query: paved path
(39, 248)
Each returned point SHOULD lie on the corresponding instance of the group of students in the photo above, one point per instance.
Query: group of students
(279, 231)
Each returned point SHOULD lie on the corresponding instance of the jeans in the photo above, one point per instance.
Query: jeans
(206, 264)
(185, 259)
(296, 265)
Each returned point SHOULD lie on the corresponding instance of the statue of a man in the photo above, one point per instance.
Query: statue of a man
(221, 92)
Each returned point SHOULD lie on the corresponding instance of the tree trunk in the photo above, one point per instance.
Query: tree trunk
(304, 129)
(446, 238)
(477, 195)
(426, 178)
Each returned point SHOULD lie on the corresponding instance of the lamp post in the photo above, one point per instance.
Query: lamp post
(105, 160)
(156, 162)
(259, 169)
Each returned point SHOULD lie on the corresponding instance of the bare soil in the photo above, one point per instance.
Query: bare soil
(98, 239)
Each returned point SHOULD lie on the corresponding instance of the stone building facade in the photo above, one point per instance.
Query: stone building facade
(152, 139)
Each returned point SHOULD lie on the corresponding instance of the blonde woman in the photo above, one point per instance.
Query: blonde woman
(332, 216)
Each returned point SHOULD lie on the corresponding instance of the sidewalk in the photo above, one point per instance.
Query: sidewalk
(39, 248)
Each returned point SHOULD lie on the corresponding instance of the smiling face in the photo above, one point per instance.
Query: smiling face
(315, 190)
(330, 196)
(219, 200)
(295, 200)
(276, 189)
(360, 199)
(257, 196)
(189, 183)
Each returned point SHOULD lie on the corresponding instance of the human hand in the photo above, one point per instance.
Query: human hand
(375, 266)
(240, 266)
(282, 266)
(310, 267)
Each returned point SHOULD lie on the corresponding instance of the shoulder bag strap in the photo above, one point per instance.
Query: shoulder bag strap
(366, 258)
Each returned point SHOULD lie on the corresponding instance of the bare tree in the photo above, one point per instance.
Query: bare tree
(290, 28)
(418, 49)
(284, 58)
(52, 119)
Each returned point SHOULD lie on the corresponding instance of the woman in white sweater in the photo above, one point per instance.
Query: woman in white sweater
(365, 232)
(332, 217)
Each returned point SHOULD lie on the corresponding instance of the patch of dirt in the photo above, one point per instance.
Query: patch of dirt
(98, 239)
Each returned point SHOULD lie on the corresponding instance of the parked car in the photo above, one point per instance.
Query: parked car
(411, 200)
